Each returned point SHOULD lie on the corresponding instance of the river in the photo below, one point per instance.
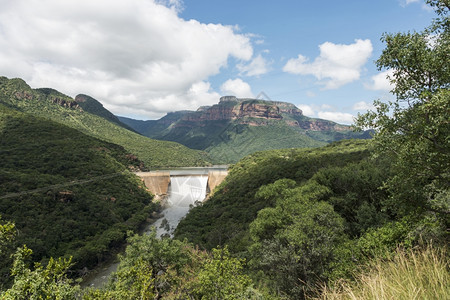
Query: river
(188, 187)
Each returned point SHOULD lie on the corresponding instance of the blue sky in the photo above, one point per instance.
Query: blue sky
(144, 58)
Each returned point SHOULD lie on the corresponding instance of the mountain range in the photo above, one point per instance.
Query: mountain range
(88, 115)
(236, 127)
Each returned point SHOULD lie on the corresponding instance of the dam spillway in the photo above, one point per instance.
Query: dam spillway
(181, 189)
(184, 193)
(158, 182)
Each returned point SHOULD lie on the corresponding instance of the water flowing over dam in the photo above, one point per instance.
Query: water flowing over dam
(158, 182)
(184, 193)
(182, 190)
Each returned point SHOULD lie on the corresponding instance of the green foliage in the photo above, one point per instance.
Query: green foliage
(49, 282)
(96, 122)
(237, 140)
(294, 241)
(7, 234)
(89, 104)
(413, 130)
(171, 269)
(226, 216)
(221, 277)
(68, 194)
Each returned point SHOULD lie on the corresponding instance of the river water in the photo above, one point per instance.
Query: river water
(188, 187)
(184, 193)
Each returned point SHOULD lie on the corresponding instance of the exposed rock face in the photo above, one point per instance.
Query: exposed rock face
(64, 102)
(23, 95)
(248, 111)
(321, 125)
(232, 108)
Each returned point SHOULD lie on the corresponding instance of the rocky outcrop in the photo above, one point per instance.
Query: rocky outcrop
(64, 102)
(232, 108)
(321, 125)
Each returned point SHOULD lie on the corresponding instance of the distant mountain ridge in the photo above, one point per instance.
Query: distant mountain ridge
(236, 127)
(88, 115)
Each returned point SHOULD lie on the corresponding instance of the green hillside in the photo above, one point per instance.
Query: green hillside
(51, 104)
(68, 193)
(225, 218)
(152, 128)
(91, 105)
(301, 217)
(235, 127)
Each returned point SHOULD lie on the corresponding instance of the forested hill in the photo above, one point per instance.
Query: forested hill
(225, 217)
(68, 193)
(91, 118)
(304, 216)
(236, 127)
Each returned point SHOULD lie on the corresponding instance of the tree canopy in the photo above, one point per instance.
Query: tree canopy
(414, 129)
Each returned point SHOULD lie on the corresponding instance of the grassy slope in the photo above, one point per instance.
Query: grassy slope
(153, 153)
(420, 274)
(68, 193)
(93, 106)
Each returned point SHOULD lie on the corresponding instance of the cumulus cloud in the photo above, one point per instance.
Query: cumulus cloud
(136, 56)
(307, 110)
(328, 112)
(362, 105)
(336, 65)
(257, 66)
(338, 117)
(407, 2)
(237, 87)
(381, 81)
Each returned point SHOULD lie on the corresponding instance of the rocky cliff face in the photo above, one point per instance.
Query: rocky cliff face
(321, 125)
(244, 111)
(232, 108)
(255, 112)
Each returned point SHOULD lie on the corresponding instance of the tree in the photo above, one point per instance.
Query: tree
(49, 282)
(414, 129)
(221, 277)
(294, 241)
(7, 233)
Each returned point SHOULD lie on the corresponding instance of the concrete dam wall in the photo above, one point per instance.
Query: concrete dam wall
(158, 181)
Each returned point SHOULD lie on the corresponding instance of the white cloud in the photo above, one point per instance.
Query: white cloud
(310, 94)
(328, 112)
(381, 81)
(338, 117)
(307, 110)
(257, 66)
(362, 105)
(407, 2)
(132, 55)
(336, 65)
(237, 87)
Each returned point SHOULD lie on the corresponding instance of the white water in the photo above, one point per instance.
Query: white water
(184, 192)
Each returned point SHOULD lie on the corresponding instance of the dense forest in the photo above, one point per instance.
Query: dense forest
(68, 194)
(350, 220)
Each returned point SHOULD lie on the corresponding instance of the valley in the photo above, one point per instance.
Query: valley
(246, 198)
(236, 127)
(179, 190)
